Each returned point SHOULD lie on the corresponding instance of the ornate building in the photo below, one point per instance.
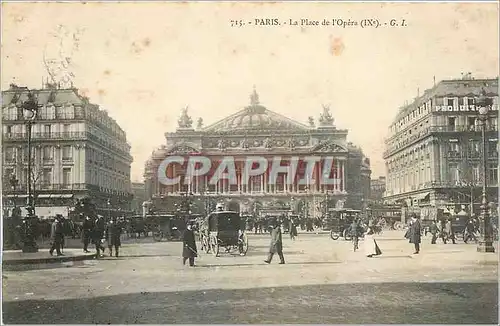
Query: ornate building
(78, 151)
(433, 152)
(377, 190)
(256, 130)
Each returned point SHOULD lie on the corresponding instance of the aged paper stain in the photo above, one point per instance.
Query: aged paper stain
(337, 46)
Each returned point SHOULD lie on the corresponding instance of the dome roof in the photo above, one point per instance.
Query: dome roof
(255, 117)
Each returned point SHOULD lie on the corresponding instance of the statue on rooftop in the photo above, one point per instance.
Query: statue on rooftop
(326, 119)
(199, 123)
(311, 122)
(185, 120)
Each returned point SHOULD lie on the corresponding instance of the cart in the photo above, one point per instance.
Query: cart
(339, 222)
(223, 229)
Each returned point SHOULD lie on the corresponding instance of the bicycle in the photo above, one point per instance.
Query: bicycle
(355, 241)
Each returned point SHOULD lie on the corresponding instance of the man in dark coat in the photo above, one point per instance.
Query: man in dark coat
(434, 230)
(57, 236)
(416, 233)
(189, 250)
(276, 243)
(98, 234)
(293, 229)
(113, 234)
(87, 233)
(469, 231)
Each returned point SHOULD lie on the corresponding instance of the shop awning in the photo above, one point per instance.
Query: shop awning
(55, 196)
(423, 196)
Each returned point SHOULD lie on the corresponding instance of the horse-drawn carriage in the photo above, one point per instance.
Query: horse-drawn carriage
(223, 229)
(166, 227)
(339, 221)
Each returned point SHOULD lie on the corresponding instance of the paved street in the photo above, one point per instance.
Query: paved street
(322, 282)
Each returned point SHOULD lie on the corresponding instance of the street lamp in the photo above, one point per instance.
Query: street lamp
(30, 107)
(486, 242)
(109, 209)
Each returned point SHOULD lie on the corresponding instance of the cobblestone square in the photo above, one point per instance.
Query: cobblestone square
(323, 281)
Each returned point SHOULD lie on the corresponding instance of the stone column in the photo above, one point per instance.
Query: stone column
(342, 182)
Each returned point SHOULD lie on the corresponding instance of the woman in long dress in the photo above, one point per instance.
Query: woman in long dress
(371, 246)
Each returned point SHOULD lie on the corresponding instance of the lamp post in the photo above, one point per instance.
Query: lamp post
(109, 209)
(30, 107)
(486, 242)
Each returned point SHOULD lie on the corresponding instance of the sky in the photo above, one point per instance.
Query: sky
(144, 62)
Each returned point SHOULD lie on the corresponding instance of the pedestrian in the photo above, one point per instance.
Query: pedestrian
(57, 236)
(98, 235)
(113, 234)
(370, 244)
(450, 232)
(276, 246)
(469, 231)
(415, 233)
(189, 250)
(433, 229)
(86, 233)
(293, 229)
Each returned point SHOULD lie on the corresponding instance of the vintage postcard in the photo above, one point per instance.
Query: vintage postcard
(249, 162)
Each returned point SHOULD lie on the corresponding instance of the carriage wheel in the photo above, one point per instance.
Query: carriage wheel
(214, 246)
(244, 242)
(398, 225)
(205, 243)
(334, 235)
(347, 236)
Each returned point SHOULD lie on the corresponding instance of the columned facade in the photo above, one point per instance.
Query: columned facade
(256, 131)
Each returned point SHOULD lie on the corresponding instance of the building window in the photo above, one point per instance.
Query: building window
(67, 152)
(48, 153)
(9, 130)
(7, 176)
(67, 176)
(453, 173)
(474, 148)
(454, 148)
(450, 102)
(10, 155)
(492, 174)
(470, 101)
(66, 129)
(47, 176)
(475, 174)
(46, 129)
(451, 123)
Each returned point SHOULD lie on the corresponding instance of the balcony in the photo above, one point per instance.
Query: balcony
(454, 155)
(434, 129)
(461, 128)
(74, 135)
(21, 188)
(77, 115)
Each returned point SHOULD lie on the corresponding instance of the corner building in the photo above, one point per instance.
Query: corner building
(434, 150)
(78, 151)
(257, 131)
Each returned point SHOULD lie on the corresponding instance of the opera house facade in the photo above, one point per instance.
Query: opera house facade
(259, 132)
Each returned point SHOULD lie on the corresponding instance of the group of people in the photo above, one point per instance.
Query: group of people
(96, 231)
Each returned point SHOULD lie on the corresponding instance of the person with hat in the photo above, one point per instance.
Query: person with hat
(113, 234)
(415, 233)
(57, 236)
(276, 242)
(189, 250)
(98, 235)
(86, 232)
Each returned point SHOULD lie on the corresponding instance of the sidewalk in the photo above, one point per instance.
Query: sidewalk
(17, 257)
